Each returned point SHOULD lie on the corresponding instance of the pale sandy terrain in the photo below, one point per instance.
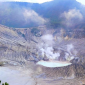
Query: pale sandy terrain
(16, 75)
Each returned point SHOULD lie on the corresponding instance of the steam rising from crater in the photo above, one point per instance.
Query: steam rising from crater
(46, 46)
(71, 52)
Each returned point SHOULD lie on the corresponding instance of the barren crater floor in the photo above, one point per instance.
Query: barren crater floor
(16, 75)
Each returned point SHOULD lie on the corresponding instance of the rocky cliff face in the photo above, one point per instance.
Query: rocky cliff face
(69, 72)
(21, 46)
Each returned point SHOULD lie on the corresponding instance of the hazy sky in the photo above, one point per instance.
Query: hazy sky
(40, 1)
(34, 1)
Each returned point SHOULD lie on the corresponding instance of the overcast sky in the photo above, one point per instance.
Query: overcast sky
(33, 1)
(40, 1)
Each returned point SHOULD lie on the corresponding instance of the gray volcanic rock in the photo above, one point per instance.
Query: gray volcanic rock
(21, 49)
(68, 72)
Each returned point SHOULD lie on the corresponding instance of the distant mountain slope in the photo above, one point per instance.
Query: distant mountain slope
(22, 14)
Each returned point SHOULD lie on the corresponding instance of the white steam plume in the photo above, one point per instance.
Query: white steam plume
(70, 47)
(46, 47)
(48, 39)
(71, 52)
